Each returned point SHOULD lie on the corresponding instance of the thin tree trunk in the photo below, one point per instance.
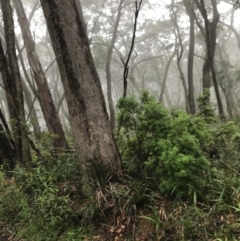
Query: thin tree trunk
(27, 93)
(45, 99)
(20, 131)
(227, 85)
(8, 84)
(180, 50)
(211, 39)
(191, 99)
(26, 75)
(31, 109)
(60, 101)
(126, 67)
(166, 93)
(166, 73)
(108, 65)
(93, 137)
(236, 33)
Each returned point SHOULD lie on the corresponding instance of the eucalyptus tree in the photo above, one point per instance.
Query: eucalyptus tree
(189, 6)
(210, 34)
(27, 93)
(227, 65)
(13, 84)
(46, 102)
(154, 44)
(174, 8)
(93, 137)
(108, 64)
(232, 28)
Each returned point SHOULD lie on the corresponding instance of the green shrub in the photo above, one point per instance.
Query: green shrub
(165, 151)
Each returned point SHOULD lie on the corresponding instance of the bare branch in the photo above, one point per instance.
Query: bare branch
(126, 67)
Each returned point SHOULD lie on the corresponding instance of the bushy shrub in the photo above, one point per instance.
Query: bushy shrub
(164, 150)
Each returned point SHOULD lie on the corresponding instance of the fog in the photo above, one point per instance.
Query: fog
(153, 63)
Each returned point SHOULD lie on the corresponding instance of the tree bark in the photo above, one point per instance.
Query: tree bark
(19, 128)
(8, 84)
(7, 152)
(45, 99)
(93, 137)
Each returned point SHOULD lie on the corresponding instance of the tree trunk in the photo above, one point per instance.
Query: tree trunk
(80, 12)
(180, 50)
(19, 128)
(7, 155)
(45, 99)
(8, 84)
(166, 73)
(94, 141)
(31, 109)
(108, 66)
(227, 83)
(166, 93)
(211, 40)
(191, 99)
(236, 33)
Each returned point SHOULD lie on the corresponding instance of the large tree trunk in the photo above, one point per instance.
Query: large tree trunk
(19, 128)
(45, 99)
(94, 141)
(108, 66)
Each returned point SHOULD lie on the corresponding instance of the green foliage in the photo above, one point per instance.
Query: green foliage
(45, 142)
(44, 202)
(189, 157)
(155, 219)
(204, 108)
(163, 150)
(227, 143)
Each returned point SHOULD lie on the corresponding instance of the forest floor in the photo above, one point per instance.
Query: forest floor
(124, 219)
(167, 222)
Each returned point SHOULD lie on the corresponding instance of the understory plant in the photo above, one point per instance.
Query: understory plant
(44, 202)
(166, 150)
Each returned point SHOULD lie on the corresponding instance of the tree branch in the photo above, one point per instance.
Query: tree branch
(126, 67)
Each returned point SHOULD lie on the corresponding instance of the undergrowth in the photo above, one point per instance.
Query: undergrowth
(180, 181)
